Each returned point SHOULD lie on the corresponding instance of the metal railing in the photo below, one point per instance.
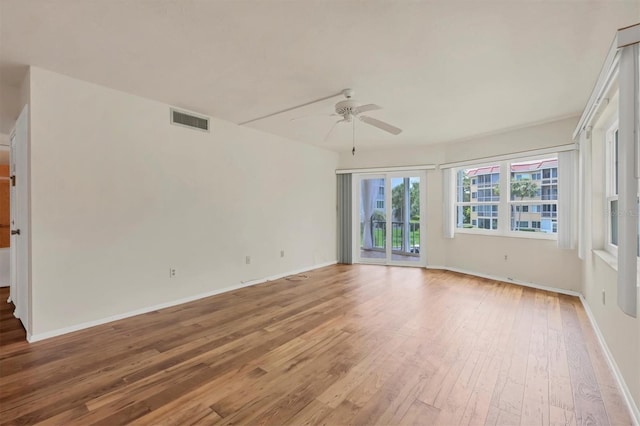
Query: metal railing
(379, 233)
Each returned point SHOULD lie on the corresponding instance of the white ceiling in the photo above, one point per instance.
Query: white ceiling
(442, 70)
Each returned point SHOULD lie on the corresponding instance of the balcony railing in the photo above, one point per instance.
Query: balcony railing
(379, 233)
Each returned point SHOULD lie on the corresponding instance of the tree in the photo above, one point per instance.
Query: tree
(466, 213)
(397, 201)
(522, 189)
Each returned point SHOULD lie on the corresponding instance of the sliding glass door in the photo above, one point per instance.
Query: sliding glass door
(390, 214)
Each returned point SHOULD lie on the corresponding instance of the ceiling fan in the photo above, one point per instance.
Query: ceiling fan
(348, 109)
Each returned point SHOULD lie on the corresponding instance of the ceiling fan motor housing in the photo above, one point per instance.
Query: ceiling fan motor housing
(346, 107)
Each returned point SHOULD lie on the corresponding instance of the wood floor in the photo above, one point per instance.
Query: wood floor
(345, 345)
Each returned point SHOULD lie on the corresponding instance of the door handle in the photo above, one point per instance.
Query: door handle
(15, 232)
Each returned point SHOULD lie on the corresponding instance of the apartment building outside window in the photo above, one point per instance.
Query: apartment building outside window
(525, 200)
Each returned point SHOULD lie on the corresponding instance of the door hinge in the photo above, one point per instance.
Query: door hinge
(13, 180)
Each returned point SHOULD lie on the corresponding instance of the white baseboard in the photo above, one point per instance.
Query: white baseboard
(31, 338)
(622, 385)
(507, 280)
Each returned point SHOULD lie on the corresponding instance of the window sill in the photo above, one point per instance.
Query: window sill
(525, 235)
(612, 261)
(607, 258)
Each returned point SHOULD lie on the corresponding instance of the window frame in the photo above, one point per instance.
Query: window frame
(611, 189)
(505, 203)
(610, 195)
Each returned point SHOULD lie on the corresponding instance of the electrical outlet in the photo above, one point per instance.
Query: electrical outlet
(281, 253)
(604, 297)
(247, 260)
(172, 273)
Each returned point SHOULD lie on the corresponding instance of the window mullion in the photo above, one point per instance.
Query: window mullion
(503, 205)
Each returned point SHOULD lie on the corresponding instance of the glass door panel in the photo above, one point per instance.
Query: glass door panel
(405, 219)
(373, 224)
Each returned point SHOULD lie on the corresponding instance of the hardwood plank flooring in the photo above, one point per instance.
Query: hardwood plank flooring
(354, 344)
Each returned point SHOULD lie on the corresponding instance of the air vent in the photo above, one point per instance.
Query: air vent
(188, 119)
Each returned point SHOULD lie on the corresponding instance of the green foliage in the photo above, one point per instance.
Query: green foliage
(397, 201)
(523, 189)
(466, 188)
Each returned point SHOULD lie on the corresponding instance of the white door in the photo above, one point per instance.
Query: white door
(389, 226)
(20, 240)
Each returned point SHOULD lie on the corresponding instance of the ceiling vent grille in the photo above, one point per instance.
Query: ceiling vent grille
(188, 119)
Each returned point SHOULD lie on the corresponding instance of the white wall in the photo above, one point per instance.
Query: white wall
(119, 196)
(533, 261)
(620, 331)
(10, 107)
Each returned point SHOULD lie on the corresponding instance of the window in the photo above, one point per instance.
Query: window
(612, 189)
(523, 201)
(484, 223)
(542, 186)
(550, 175)
(380, 204)
(613, 212)
(477, 194)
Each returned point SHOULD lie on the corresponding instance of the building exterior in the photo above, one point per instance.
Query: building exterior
(537, 213)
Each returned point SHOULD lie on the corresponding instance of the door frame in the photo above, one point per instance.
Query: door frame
(388, 176)
(20, 264)
(13, 259)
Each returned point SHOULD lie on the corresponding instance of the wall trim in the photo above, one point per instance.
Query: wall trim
(622, 385)
(386, 169)
(512, 156)
(31, 338)
(508, 280)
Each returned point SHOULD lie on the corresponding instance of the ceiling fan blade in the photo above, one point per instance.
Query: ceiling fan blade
(326, 138)
(330, 131)
(290, 109)
(380, 125)
(365, 108)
